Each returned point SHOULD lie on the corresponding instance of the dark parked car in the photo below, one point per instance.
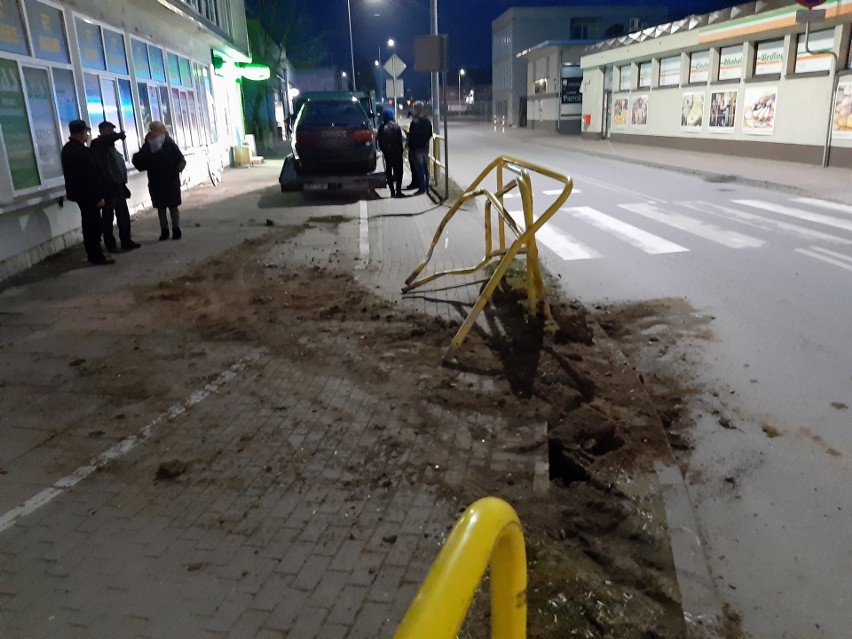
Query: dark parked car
(333, 137)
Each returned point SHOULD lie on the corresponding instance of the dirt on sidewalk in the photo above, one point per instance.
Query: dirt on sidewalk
(599, 558)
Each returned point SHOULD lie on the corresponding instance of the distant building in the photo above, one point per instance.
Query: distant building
(176, 61)
(520, 29)
(739, 81)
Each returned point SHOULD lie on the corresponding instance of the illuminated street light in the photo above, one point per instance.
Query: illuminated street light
(461, 73)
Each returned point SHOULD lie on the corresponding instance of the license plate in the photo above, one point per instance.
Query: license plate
(315, 187)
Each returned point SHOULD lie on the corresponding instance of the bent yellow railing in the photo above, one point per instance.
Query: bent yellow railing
(525, 242)
(489, 533)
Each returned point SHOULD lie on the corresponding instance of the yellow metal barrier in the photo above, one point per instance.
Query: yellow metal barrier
(489, 533)
(525, 242)
(435, 163)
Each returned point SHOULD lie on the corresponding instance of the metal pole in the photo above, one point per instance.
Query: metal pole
(446, 142)
(393, 66)
(351, 46)
(436, 86)
(381, 75)
(826, 149)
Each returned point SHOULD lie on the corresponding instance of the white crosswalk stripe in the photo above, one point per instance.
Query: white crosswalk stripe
(763, 222)
(633, 235)
(715, 222)
(834, 206)
(564, 245)
(731, 239)
(801, 214)
(831, 257)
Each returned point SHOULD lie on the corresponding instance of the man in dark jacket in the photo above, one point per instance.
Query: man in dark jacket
(419, 135)
(389, 137)
(84, 185)
(162, 158)
(114, 171)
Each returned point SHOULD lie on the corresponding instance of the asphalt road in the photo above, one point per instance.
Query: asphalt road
(774, 272)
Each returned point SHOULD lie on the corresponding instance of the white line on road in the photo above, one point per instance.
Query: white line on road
(565, 246)
(834, 206)
(830, 257)
(762, 221)
(363, 237)
(8, 519)
(633, 235)
(827, 220)
(711, 232)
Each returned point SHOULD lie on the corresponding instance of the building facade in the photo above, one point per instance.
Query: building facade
(519, 29)
(126, 62)
(753, 80)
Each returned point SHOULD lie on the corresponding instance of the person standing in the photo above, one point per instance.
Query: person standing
(163, 160)
(114, 171)
(419, 135)
(389, 137)
(85, 186)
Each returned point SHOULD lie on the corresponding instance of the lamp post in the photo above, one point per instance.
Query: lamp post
(345, 83)
(351, 45)
(461, 73)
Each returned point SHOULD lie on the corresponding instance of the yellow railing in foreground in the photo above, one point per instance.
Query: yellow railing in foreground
(525, 242)
(489, 533)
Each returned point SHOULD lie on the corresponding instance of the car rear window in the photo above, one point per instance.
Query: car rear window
(337, 113)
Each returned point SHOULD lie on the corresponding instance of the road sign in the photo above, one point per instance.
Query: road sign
(810, 15)
(810, 4)
(400, 88)
(395, 66)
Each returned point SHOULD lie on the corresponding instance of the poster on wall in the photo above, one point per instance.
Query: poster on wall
(842, 127)
(639, 111)
(723, 111)
(619, 112)
(759, 105)
(692, 111)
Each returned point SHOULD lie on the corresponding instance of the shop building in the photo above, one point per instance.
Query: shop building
(764, 79)
(519, 29)
(125, 62)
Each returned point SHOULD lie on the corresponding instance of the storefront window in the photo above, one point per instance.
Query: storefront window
(699, 66)
(821, 44)
(158, 68)
(644, 75)
(66, 95)
(140, 59)
(91, 45)
(769, 58)
(43, 120)
(12, 38)
(47, 32)
(625, 75)
(174, 70)
(670, 71)
(115, 54)
(16, 128)
(731, 63)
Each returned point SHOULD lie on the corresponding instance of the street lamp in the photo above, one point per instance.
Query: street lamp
(461, 73)
(351, 46)
(345, 83)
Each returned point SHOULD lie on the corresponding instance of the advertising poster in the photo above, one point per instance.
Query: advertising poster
(843, 111)
(723, 111)
(692, 111)
(16, 128)
(619, 112)
(639, 111)
(759, 105)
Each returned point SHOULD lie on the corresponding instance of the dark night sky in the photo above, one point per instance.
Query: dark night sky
(466, 22)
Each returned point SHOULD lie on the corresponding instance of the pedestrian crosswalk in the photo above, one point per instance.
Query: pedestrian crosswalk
(823, 229)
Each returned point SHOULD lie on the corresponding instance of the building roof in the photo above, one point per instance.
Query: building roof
(555, 43)
(689, 23)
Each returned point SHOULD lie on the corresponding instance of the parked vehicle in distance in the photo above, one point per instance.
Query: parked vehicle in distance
(333, 136)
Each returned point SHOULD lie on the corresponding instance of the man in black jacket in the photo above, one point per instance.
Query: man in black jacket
(84, 185)
(114, 171)
(419, 136)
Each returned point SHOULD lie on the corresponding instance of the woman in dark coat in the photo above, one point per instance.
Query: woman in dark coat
(162, 158)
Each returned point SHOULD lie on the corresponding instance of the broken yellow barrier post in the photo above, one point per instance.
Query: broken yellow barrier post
(489, 533)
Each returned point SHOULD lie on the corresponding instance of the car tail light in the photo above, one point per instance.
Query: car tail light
(361, 136)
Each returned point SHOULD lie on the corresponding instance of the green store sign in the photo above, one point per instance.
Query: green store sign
(15, 126)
